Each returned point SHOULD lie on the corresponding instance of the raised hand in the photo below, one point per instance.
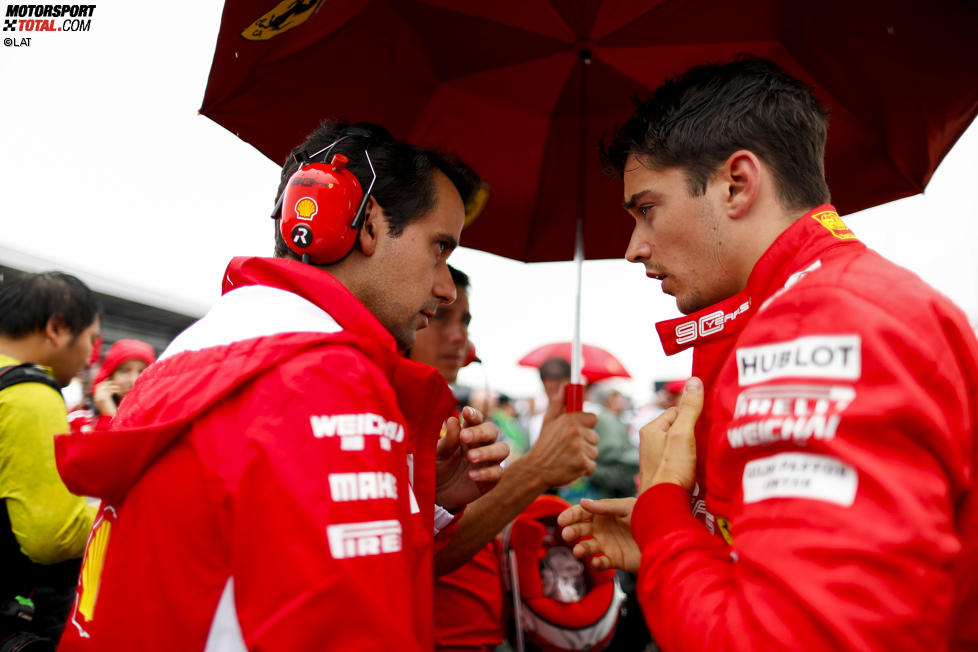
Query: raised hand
(468, 460)
(607, 523)
(667, 447)
(567, 447)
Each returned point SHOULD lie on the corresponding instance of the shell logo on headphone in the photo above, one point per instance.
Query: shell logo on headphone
(326, 203)
(306, 208)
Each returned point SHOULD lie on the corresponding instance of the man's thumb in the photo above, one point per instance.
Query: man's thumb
(556, 406)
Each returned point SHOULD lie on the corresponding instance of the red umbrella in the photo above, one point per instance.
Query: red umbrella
(505, 84)
(521, 90)
(597, 363)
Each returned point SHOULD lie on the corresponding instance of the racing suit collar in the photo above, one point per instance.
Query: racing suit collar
(793, 251)
(313, 284)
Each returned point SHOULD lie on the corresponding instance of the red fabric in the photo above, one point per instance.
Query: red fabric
(469, 604)
(212, 471)
(895, 568)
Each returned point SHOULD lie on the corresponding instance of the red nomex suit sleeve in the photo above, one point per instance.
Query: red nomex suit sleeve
(324, 551)
(807, 573)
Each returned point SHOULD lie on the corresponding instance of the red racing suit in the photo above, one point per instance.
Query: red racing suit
(835, 462)
(268, 484)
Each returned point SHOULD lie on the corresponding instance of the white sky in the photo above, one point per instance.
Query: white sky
(106, 168)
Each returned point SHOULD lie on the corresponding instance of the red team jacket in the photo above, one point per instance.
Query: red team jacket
(268, 484)
(836, 458)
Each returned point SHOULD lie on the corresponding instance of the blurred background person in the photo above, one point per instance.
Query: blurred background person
(667, 393)
(554, 372)
(469, 596)
(444, 343)
(48, 325)
(617, 461)
(123, 363)
(506, 417)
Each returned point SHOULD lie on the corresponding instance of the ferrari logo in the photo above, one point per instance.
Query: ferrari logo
(286, 15)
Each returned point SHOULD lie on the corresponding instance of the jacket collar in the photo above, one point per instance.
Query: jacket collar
(793, 254)
(313, 284)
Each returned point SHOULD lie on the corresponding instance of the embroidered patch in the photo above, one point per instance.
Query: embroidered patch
(800, 475)
(834, 224)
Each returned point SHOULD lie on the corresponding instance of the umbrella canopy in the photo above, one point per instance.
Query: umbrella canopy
(597, 363)
(522, 89)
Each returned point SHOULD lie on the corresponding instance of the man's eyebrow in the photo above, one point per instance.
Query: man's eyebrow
(629, 204)
(449, 240)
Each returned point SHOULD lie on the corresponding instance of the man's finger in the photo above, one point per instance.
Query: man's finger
(556, 407)
(472, 416)
(587, 547)
(448, 444)
(679, 454)
(486, 475)
(661, 423)
(480, 435)
(607, 506)
(690, 406)
(600, 562)
(589, 435)
(575, 531)
(573, 514)
(491, 454)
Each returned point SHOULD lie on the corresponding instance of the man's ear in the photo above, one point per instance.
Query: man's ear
(374, 225)
(742, 178)
(56, 331)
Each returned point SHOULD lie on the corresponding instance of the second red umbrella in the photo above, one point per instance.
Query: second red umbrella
(597, 363)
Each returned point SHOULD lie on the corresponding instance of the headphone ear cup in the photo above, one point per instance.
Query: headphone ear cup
(319, 210)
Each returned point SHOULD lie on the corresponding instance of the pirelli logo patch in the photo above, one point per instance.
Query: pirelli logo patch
(367, 539)
(835, 357)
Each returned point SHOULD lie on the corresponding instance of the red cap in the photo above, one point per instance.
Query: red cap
(120, 352)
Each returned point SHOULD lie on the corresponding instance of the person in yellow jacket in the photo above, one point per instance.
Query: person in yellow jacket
(48, 324)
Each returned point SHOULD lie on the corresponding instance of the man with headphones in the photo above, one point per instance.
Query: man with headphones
(274, 481)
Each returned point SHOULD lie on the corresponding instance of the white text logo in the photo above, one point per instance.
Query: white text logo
(352, 428)
(800, 475)
(819, 356)
(707, 324)
(348, 540)
(788, 413)
(368, 485)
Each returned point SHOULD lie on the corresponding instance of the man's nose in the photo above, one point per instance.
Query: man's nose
(639, 250)
(444, 288)
(456, 331)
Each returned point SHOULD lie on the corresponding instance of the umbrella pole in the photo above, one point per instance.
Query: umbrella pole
(575, 390)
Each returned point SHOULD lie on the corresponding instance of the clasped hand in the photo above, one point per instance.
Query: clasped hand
(667, 452)
(468, 460)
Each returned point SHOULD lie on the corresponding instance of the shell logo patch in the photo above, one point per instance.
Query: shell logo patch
(91, 569)
(306, 208)
(834, 224)
(283, 17)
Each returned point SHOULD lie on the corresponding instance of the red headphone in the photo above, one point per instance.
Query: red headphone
(322, 206)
